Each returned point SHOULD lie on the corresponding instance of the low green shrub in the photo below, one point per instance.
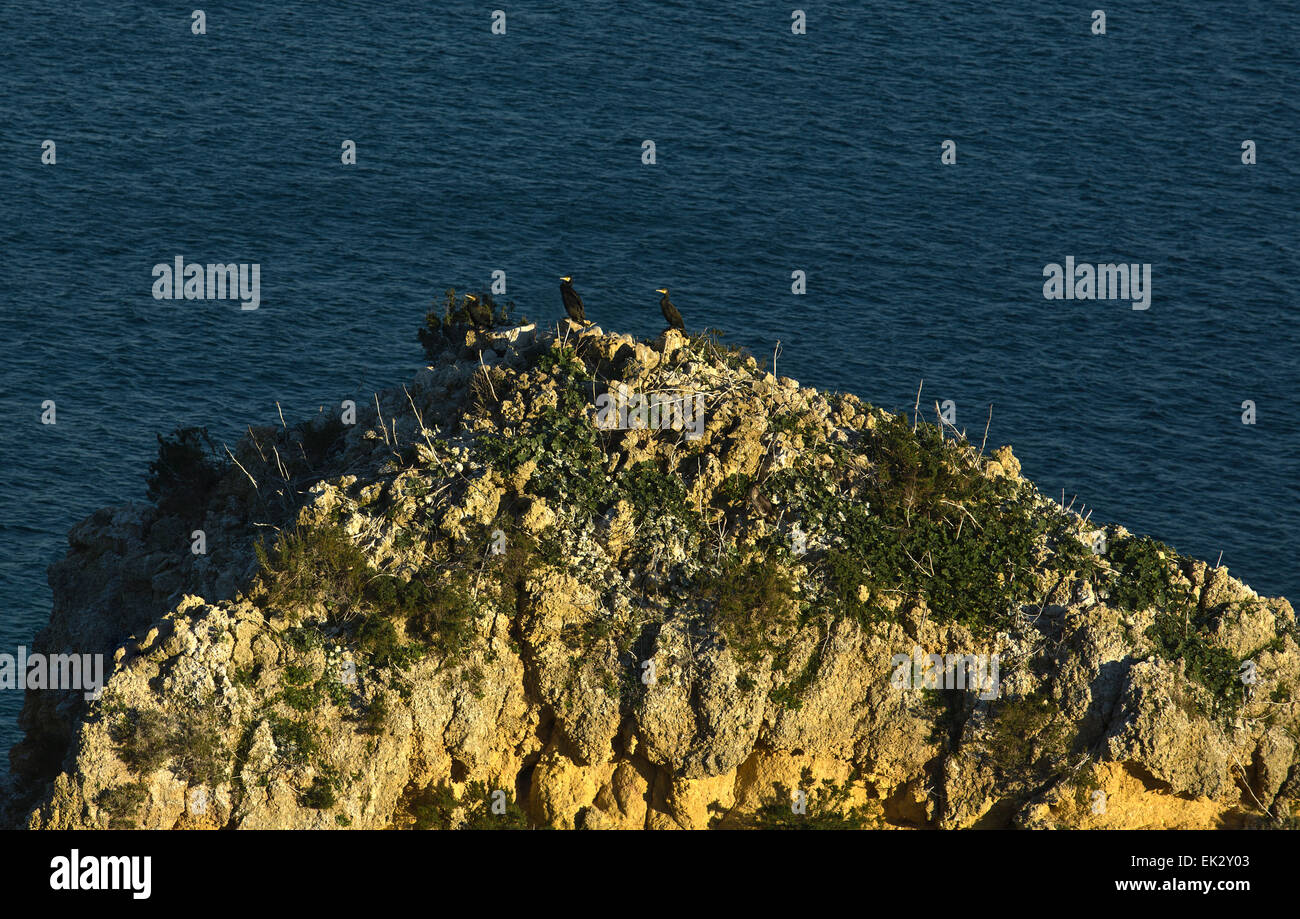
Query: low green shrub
(825, 806)
(122, 803)
(185, 471)
(190, 742)
(753, 604)
(437, 808)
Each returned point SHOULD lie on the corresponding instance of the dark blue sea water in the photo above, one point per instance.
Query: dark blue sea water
(775, 152)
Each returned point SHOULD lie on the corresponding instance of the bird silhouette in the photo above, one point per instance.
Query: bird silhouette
(673, 317)
(572, 302)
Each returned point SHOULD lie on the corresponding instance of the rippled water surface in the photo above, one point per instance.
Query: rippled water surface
(775, 152)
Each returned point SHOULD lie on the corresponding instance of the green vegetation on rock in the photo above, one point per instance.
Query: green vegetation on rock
(477, 588)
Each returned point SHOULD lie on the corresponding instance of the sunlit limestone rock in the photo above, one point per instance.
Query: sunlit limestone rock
(472, 606)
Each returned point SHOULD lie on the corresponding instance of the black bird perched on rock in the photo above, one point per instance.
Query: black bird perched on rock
(572, 302)
(673, 317)
(479, 314)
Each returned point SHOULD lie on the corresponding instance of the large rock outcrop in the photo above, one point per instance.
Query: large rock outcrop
(486, 600)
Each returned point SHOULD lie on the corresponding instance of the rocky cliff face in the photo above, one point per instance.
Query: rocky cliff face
(483, 603)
